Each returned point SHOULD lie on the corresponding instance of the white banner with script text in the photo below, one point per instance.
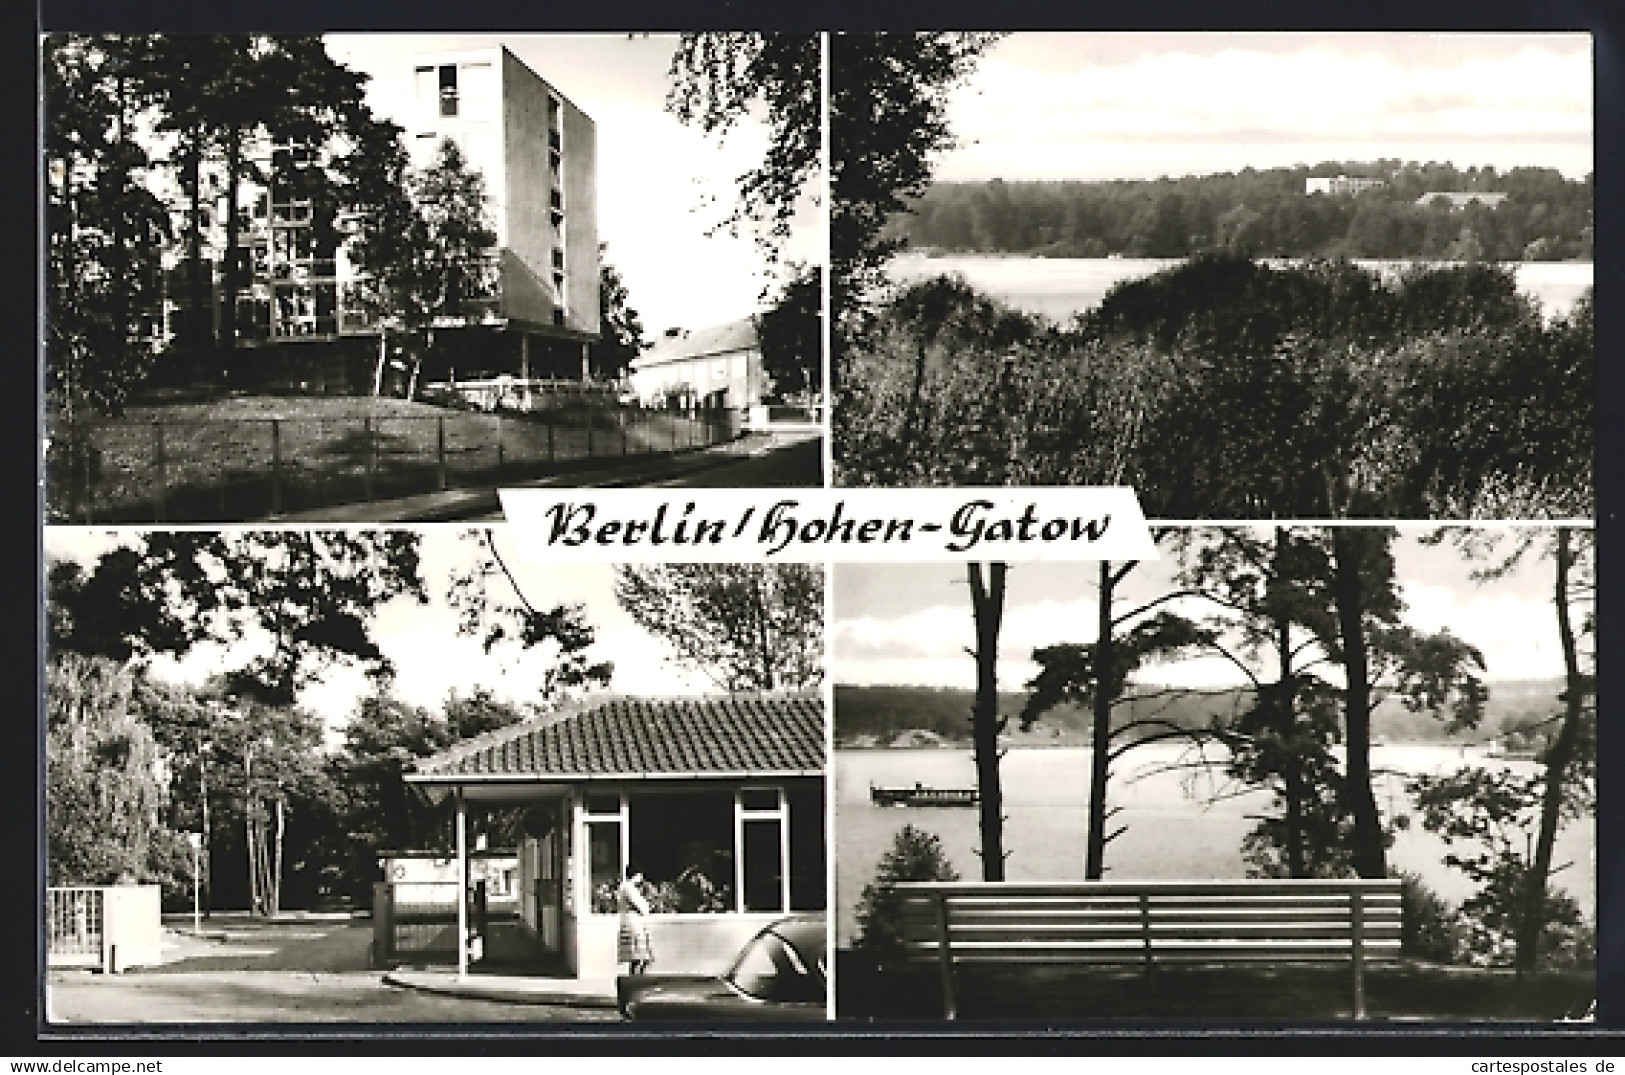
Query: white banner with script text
(867, 525)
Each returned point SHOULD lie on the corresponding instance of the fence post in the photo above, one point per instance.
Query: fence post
(500, 452)
(589, 432)
(551, 455)
(160, 472)
(276, 466)
(1357, 940)
(366, 432)
(440, 451)
(674, 424)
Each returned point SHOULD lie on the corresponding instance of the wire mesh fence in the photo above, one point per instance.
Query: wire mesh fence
(218, 470)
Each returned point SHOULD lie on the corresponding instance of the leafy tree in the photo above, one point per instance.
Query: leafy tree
(1485, 817)
(1377, 653)
(791, 334)
(492, 606)
(105, 229)
(456, 272)
(987, 609)
(102, 793)
(915, 855)
(1494, 813)
(1273, 601)
(887, 116)
(950, 387)
(383, 739)
(116, 610)
(718, 78)
(888, 107)
(310, 594)
(621, 338)
(1097, 674)
(746, 627)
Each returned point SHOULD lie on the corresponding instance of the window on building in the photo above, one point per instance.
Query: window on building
(724, 851)
(605, 817)
(683, 843)
(764, 850)
(448, 89)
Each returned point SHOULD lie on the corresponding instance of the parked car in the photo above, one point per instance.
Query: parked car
(778, 976)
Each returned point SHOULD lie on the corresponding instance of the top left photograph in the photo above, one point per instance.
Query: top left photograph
(375, 277)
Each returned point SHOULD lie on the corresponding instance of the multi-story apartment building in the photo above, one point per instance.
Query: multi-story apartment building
(535, 151)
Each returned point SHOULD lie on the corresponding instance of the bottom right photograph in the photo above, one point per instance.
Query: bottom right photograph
(1278, 773)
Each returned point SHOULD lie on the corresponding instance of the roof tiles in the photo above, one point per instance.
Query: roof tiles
(759, 734)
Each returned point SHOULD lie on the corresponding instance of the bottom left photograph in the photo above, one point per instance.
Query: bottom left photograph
(415, 776)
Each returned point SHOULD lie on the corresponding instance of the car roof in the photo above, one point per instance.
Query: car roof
(807, 934)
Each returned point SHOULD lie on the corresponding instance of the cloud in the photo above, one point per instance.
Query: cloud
(1517, 634)
(1371, 97)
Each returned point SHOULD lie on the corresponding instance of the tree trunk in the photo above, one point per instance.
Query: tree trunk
(197, 327)
(1094, 865)
(987, 605)
(276, 869)
(1532, 915)
(229, 270)
(1348, 547)
(1286, 725)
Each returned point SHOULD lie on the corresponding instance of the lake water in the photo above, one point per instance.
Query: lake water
(1176, 827)
(1058, 288)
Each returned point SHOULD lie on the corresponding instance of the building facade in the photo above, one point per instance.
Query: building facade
(719, 802)
(1456, 200)
(536, 152)
(718, 367)
(1340, 184)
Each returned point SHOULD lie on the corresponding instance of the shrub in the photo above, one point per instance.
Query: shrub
(1430, 928)
(915, 855)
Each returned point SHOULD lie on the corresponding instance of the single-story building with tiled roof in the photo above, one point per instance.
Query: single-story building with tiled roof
(718, 800)
(718, 367)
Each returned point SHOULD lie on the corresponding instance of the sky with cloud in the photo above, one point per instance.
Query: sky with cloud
(662, 186)
(911, 623)
(1144, 105)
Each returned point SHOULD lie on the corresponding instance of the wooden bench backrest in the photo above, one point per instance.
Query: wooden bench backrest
(1153, 921)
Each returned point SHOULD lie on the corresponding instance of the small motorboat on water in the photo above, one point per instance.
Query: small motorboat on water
(921, 795)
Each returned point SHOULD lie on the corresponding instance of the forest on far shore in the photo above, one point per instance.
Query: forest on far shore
(878, 715)
(1263, 213)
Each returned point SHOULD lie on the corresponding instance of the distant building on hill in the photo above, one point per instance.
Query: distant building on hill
(1340, 184)
(1460, 199)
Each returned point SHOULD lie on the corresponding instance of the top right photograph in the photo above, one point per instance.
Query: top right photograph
(1289, 276)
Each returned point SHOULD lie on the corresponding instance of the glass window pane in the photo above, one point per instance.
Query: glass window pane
(759, 799)
(604, 863)
(762, 873)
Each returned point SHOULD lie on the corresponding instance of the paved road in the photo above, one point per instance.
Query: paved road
(798, 465)
(300, 969)
(262, 996)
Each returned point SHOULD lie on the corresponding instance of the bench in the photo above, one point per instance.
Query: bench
(1147, 923)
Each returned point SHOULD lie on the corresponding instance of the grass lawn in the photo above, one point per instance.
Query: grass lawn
(249, 457)
(1407, 992)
